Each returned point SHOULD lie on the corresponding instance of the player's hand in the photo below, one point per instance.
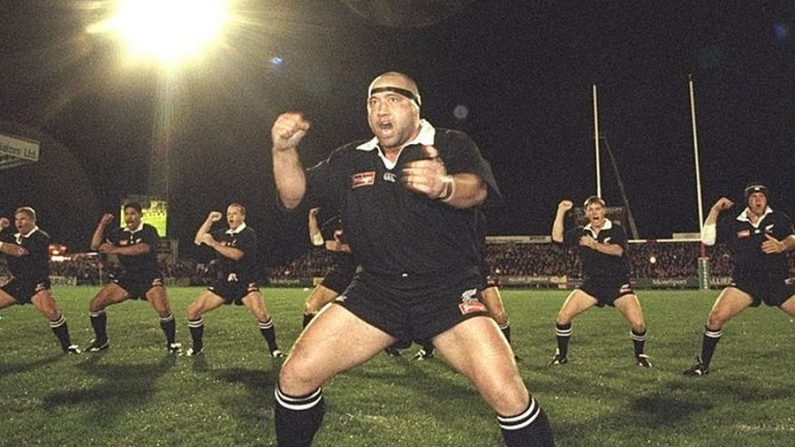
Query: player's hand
(565, 205)
(288, 130)
(215, 216)
(313, 211)
(772, 245)
(206, 239)
(425, 176)
(105, 247)
(588, 241)
(106, 219)
(4, 223)
(723, 204)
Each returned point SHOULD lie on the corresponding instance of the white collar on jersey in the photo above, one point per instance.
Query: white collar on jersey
(237, 230)
(606, 226)
(140, 227)
(20, 236)
(425, 137)
(743, 217)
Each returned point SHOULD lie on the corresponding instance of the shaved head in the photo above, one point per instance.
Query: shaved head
(398, 83)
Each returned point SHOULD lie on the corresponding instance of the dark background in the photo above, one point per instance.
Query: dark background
(523, 70)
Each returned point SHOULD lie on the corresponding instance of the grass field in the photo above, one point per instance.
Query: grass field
(136, 394)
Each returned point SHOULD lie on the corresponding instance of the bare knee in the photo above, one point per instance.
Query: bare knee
(194, 312)
(296, 378)
(500, 317)
(716, 320)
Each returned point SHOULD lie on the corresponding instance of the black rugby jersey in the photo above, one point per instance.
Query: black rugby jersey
(599, 265)
(35, 266)
(390, 229)
(140, 264)
(245, 240)
(745, 241)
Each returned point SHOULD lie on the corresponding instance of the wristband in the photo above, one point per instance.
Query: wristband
(448, 190)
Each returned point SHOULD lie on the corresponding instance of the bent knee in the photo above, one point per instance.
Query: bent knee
(296, 379)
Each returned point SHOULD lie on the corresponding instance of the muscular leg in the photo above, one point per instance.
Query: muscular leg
(493, 301)
(205, 302)
(576, 303)
(336, 341)
(788, 306)
(110, 294)
(320, 296)
(6, 300)
(45, 303)
(255, 302)
(156, 296)
(730, 303)
(476, 348)
(630, 308)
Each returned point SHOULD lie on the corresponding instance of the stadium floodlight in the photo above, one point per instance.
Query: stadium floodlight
(168, 31)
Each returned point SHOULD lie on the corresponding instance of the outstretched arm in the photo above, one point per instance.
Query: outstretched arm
(99, 232)
(557, 226)
(288, 130)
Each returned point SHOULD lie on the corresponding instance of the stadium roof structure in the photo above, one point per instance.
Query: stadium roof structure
(16, 151)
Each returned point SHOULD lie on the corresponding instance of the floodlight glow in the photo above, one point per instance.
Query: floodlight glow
(169, 31)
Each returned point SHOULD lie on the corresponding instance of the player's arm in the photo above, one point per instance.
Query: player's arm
(604, 248)
(204, 229)
(558, 225)
(709, 232)
(772, 245)
(14, 250)
(138, 249)
(99, 232)
(429, 177)
(226, 251)
(288, 173)
(314, 230)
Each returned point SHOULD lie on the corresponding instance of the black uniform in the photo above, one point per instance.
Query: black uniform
(606, 277)
(419, 265)
(140, 273)
(763, 276)
(343, 266)
(238, 278)
(31, 273)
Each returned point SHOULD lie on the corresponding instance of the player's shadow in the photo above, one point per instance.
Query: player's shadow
(258, 397)
(120, 387)
(15, 368)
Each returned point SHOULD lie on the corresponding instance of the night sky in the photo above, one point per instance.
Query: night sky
(515, 75)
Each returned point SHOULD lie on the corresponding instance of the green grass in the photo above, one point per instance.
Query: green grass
(135, 394)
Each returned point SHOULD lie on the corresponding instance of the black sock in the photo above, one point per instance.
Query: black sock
(528, 428)
(99, 321)
(638, 340)
(269, 332)
(709, 343)
(196, 328)
(308, 317)
(169, 327)
(297, 418)
(506, 331)
(563, 333)
(61, 330)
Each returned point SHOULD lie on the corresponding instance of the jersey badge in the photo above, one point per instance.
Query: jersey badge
(743, 234)
(362, 179)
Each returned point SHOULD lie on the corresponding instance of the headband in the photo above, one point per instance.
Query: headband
(400, 91)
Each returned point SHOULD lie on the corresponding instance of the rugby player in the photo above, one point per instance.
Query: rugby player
(407, 200)
(602, 249)
(236, 248)
(759, 239)
(136, 246)
(27, 253)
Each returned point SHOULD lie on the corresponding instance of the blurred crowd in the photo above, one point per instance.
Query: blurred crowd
(647, 260)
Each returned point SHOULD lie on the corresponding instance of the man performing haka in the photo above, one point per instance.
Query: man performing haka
(407, 199)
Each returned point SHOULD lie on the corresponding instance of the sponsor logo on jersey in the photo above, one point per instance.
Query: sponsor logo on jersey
(123, 242)
(390, 177)
(362, 179)
(470, 302)
(743, 234)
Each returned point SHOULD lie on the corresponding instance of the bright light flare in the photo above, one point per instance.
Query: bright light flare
(169, 31)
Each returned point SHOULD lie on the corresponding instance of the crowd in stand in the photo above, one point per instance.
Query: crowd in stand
(647, 260)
